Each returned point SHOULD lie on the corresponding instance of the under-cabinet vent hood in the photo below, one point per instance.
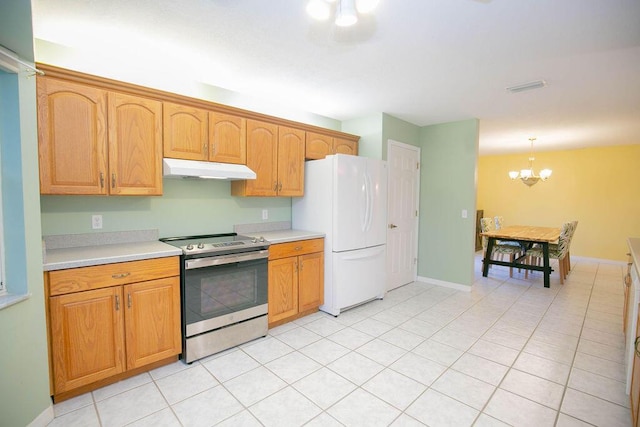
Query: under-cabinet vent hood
(178, 168)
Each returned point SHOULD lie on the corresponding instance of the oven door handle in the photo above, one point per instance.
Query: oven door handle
(191, 264)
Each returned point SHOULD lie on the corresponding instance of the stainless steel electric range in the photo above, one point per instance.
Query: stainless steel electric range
(224, 291)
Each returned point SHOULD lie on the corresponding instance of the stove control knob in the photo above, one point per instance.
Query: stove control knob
(254, 240)
(261, 239)
(189, 246)
(200, 245)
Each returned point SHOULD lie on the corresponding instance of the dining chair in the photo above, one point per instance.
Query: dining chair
(499, 248)
(556, 251)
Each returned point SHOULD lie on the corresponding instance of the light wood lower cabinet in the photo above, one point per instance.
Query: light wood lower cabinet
(102, 329)
(296, 279)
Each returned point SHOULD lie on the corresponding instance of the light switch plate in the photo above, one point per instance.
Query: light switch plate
(464, 213)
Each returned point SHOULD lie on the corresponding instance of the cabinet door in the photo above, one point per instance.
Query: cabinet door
(283, 288)
(152, 321)
(185, 132)
(290, 162)
(311, 281)
(227, 138)
(72, 138)
(135, 145)
(345, 146)
(317, 146)
(262, 150)
(87, 338)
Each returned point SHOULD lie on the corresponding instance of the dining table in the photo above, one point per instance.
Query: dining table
(526, 236)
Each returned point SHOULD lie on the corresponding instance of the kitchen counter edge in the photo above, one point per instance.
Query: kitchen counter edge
(285, 236)
(86, 256)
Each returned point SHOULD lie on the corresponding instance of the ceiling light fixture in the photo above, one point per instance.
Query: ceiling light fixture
(538, 84)
(528, 176)
(345, 11)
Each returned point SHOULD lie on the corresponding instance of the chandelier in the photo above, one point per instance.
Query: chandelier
(345, 12)
(528, 176)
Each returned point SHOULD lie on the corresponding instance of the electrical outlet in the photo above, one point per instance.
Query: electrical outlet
(464, 213)
(96, 222)
(265, 214)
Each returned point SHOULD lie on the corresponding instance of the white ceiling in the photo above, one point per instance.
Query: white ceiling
(423, 61)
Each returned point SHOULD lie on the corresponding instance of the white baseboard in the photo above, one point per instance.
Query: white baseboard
(451, 285)
(44, 418)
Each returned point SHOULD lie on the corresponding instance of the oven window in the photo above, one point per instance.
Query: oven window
(215, 291)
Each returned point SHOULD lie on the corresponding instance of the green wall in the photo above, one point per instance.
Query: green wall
(24, 376)
(186, 207)
(447, 186)
(398, 130)
(369, 129)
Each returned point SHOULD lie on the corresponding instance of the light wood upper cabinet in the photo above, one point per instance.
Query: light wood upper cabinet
(93, 141)
(318, 146)
(276, 155)
(345, 146)
(185, 132)
(135, 145)
(196, 134)
(290, 161)
(72, 138)
(262, 158)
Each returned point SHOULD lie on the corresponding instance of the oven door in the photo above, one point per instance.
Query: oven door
(223, 290)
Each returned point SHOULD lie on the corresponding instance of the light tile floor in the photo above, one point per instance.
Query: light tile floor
(510, 352)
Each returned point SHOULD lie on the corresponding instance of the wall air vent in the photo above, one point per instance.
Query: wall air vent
(527, 86)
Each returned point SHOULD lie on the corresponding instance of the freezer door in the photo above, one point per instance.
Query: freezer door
(358, 276)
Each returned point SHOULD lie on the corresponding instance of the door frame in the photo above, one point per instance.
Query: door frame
(391, 143)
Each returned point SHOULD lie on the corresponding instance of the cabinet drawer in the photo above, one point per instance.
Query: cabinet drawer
(299, 247)
(102, 276)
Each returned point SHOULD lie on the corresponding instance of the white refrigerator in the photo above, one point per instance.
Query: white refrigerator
(346, 198)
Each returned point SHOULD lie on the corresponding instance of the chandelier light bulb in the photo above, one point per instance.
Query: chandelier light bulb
(318, 9)
(346, 13)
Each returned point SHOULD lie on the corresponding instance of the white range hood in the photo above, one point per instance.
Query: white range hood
(178, 168)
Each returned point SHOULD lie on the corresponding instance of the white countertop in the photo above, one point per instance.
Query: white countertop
(83, 256)
(283, 236)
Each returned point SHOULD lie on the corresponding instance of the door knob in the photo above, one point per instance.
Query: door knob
(393, 226)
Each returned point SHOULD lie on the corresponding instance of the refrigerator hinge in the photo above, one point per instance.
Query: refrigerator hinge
(416, 213)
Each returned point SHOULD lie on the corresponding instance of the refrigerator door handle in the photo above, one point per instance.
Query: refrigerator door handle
(369, 199)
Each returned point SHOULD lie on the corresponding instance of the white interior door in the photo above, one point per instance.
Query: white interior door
(402, 214)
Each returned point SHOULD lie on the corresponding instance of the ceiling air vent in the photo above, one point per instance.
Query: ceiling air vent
(527, 86)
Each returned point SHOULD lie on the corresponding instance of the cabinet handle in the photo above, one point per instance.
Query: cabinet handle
(101, 179)
(113, 180)
(297, 248)
(280, 186)
(129, 300)
(205, 148)
(275, 186)
(636, 346)
(296, 266)
(627, 280)
(117, 302)
(120, 275)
